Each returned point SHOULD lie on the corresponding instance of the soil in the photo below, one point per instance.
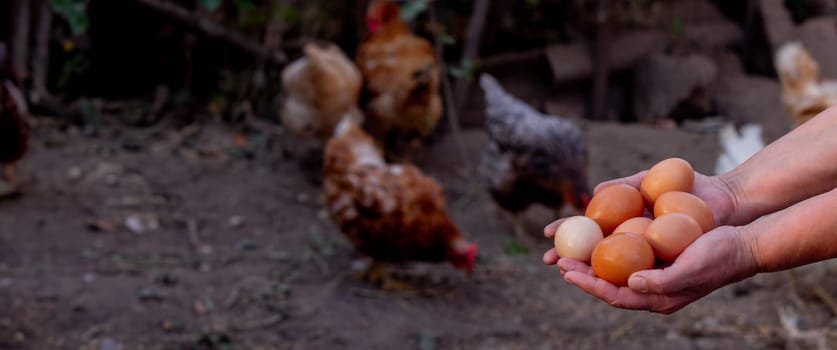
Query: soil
(199, 239)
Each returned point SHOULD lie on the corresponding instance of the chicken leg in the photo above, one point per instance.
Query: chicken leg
(9, 173)
(8, 187)
(378, 275)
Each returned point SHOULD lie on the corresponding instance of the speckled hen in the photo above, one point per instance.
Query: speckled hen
(531, 157)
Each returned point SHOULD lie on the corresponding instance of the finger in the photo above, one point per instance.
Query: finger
(568, 264)
(550, 257)
(620, 297)
(687, 271)
(668, 280)
(549, 230)
(633, 180)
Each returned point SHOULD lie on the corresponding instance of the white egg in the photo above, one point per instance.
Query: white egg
(576, 238)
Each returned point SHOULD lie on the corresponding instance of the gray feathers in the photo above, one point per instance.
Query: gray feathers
(531, 157)
(515, 127)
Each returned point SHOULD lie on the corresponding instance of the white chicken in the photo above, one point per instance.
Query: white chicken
(737, 147)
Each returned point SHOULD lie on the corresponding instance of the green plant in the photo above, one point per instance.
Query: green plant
(249, 15)
(75, 12)
(76, 66)
(413, 8)
(675, 28)
(290, 14)
(465, 70)
(210, 5)
(514, 247)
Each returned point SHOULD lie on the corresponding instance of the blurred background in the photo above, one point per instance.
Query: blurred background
(171, 197)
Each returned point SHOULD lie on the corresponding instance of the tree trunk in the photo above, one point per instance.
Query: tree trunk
(40, 61)
(601, 72)
(471, 47)
(19, 46)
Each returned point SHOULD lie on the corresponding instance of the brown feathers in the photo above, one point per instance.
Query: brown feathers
(14, 130)
(401, 80)
(320, 89)
(389, 212)
(804, 92)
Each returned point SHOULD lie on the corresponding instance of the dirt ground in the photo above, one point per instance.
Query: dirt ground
(127, 239)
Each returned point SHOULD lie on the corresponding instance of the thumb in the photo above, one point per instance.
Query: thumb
(634, 181)
(661, 281)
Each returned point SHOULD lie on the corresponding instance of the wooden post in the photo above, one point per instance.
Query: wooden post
(19, 45)
(601, 55)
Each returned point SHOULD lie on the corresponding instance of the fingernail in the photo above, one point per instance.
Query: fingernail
(638, 284)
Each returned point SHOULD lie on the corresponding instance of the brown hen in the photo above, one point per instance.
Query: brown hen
(14, 129)
(804, 92)
(401, 78)
(320, 89)
(391, 213)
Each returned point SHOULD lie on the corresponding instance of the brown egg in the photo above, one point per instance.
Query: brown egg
(633, 225)
(672, 174)
(686, 203)
(619, 255)
(613, 205)
(670, 234)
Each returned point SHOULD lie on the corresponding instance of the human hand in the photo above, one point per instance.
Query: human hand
(719, 257)
(713, 190)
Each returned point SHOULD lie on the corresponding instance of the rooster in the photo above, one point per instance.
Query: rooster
(804, 93)
(391, 213)
(14, 129)
(401, 78)
(320, 89)
(531, 157)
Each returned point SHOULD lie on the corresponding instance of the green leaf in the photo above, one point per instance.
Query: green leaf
(291, 14)
(533, 2)
(413, 8)
(252, 18)
(447, 39)
(75, 12)
(676, 28)
(465, 70)
(244, 5)
(210, 5)
(514, 247)
(76, 66)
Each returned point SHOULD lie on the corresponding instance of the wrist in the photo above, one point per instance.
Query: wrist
(748, 243)
(731, 189)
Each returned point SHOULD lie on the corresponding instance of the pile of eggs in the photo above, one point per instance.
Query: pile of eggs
(615, 234)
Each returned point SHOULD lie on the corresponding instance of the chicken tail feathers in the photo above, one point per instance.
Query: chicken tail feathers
(794, 62)
(500, 106)
(348, 120)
